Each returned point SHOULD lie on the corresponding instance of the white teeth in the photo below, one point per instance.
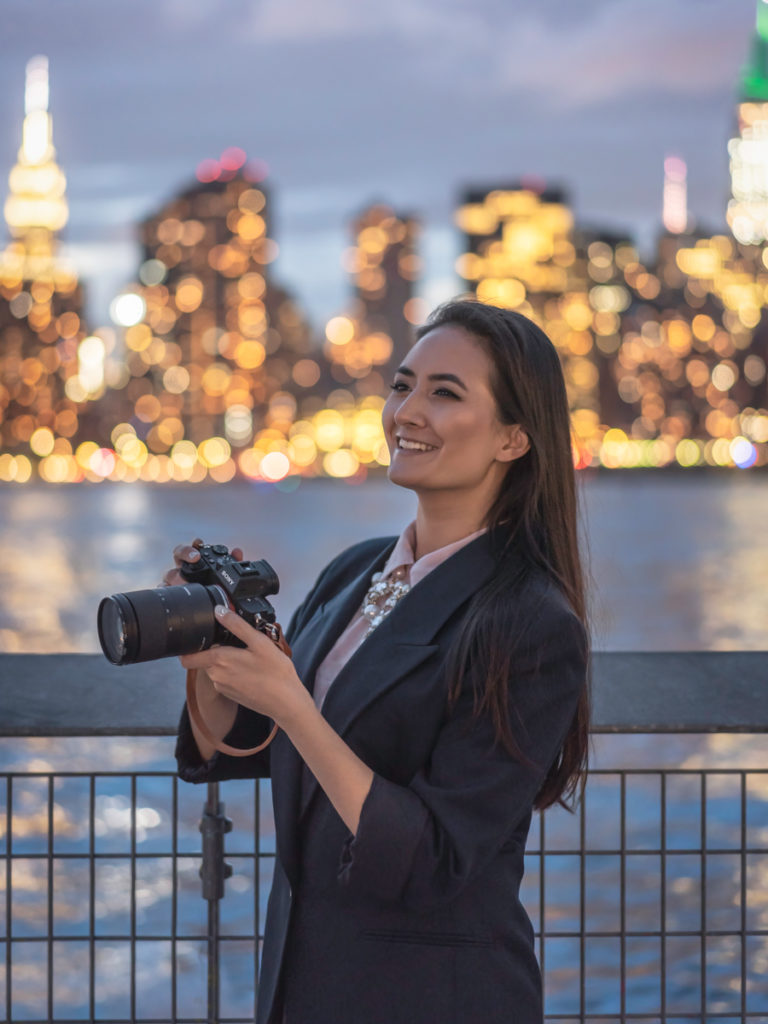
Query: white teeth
(414, 445)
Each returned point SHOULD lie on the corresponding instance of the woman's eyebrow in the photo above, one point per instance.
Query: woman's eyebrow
(406, 371)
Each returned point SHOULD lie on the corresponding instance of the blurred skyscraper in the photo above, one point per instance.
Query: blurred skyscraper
(365, 345)
(664, 361)
(219, 351)
(42, 347)
(522, 251)
(748, 207)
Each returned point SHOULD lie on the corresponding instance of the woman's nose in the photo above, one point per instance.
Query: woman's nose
(410, 409)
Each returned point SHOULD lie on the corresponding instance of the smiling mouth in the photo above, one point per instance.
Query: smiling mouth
(414, 446)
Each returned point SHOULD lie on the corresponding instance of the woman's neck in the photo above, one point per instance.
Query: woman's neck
(437, 527)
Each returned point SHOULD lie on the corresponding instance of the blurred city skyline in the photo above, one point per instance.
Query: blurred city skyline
(353, 103)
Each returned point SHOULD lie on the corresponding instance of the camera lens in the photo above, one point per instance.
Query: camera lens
(147, 624)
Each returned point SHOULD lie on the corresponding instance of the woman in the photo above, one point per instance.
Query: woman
(449, 710)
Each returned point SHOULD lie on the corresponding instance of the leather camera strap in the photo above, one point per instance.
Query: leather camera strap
(275, 634)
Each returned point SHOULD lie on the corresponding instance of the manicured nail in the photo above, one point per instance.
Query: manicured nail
(193, 556)
(220, 610)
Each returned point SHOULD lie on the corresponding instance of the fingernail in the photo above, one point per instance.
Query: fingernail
(220, 610)
(193, 556)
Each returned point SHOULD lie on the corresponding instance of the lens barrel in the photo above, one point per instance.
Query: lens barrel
(144, 625)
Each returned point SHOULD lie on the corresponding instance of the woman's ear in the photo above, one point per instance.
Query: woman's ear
(515, 443)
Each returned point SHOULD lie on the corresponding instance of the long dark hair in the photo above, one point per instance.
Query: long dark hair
(534, 522)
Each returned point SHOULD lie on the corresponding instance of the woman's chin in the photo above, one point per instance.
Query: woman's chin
(400, 475)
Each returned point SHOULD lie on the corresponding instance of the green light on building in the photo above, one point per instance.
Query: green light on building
(762, 18)
(754, 77)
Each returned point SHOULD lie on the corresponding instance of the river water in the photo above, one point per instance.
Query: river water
(678, 562)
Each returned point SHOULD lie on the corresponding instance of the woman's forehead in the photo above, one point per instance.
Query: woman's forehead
(449, 345)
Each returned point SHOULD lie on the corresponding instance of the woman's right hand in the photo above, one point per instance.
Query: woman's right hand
(188, 553)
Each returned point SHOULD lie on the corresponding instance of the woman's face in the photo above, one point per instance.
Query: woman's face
(441, 423)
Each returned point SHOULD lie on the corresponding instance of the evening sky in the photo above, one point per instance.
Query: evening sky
(350, 101)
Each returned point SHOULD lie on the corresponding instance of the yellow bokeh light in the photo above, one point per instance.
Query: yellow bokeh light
(214, 451)
(329, 430)
(341, 463)
(275, 466)
(304, 450)
(184, 455)
(102, 462)
(58, 469)
(215, 380)
(250, 354)
(23, 471)
(189, 294)
(128, 309)
(176, 379)
(85, 452)
(688, 453)
(224, 472)
(42, 441)
(703, 327)
(339, 330)
(7, 467)
(138, 337)
(249, 462)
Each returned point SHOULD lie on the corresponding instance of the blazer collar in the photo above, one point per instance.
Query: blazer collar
(414, 622)
(331, 618)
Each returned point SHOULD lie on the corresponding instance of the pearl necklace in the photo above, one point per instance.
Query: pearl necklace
(383, 595)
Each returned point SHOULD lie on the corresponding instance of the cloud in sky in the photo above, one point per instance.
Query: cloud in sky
(351, 100)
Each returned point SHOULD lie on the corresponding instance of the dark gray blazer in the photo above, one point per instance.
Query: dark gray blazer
(415, 919)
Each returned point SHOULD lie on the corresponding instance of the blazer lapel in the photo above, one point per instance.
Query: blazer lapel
(311, 646)
(329, 621)
(404, 639)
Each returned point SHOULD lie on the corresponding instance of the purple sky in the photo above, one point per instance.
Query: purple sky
(354, 100)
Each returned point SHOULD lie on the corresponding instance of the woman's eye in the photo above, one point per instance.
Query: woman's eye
(398, 385)
(446, 392)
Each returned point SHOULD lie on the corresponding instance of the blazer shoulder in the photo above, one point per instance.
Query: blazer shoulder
(355, 559)
(546, 611)
(340, 571)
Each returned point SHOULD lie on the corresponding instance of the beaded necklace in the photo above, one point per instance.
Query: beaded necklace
(383, 595)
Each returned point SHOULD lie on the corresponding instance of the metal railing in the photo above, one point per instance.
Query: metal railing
(649, 903)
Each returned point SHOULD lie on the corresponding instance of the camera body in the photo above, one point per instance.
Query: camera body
(169, 621)
(245, 583)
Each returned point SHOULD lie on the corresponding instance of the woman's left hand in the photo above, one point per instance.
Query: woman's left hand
(258, 676)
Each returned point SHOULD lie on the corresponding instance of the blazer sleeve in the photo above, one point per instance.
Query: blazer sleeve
(250, 728)
(420, 844)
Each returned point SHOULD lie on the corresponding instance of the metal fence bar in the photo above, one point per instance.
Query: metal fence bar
(703, 895)
(743, 895)
(49, 879)
(663, 902)
(174, 897)
(8, 898)
(577, 941)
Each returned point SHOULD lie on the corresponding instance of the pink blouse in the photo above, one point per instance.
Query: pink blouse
(402, 556)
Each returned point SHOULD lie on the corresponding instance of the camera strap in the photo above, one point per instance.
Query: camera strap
(275, 634)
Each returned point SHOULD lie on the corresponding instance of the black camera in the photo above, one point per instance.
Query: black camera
(148, 624)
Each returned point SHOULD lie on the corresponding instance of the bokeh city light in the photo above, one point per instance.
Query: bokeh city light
(210, 370)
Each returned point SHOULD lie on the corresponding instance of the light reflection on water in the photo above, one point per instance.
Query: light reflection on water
(678, 562)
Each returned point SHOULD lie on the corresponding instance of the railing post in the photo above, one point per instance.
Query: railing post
(213, 871)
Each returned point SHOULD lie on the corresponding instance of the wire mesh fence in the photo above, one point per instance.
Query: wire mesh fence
(650, 903)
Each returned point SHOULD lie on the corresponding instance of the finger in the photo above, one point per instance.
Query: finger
(237, 554)
(173, 578)
(185, 553)
(239, 627)
(203, 659)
